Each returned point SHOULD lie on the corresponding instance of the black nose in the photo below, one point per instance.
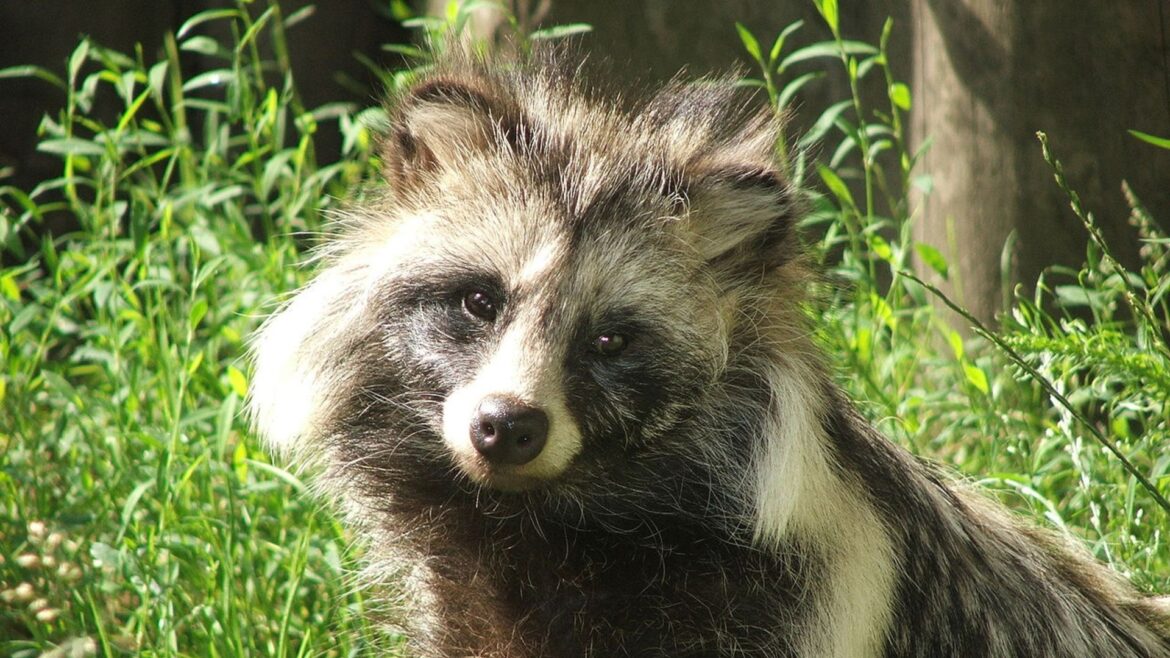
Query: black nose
(508, 431)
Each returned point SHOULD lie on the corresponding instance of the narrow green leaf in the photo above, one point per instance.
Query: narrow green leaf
(224, 423)
(274, 169)
(401, 10)
(749, 42)
(299, 15)
(900, 95)
(280, 474)
(778, 44)
(195, 315)
(220, 196)
(240, 462)
(882, 311)
(77, 59)
(862, 344)
(1074, 295)
(210, 79)
(867, 64)
(792, 88)
(33, 72)
(194, 363)
(9, 288)
(825, 122)
(836, 186)
(887, 30)
(561, 31)
(71, 146)
(933, 258)
(157, 80)
(848, 145)
(255, 28)
(238, 381)
(1160, 142)
(956, 341)
(202, 45)
(828, 49)
(203, 17)
(131, 112)
(406, 50)
(422, 23)
(828, 9)
(977, 377)
(139, 225)
(881, 248)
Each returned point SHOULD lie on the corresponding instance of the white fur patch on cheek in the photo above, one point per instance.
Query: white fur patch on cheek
(293, 351)
(286, 388)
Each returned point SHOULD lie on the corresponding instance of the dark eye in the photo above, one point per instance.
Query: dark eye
(610, 344)
(480, 304)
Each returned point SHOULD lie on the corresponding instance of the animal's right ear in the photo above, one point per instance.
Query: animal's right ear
(436, 124)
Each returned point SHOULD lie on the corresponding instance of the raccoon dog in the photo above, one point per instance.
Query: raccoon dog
(561, 378)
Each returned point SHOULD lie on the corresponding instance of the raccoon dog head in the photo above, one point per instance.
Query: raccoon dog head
(555, 289)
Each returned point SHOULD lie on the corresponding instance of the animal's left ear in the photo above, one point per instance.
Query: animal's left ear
(742, 211)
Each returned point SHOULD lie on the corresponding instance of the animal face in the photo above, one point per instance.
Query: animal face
(539, 341)
(548, 294)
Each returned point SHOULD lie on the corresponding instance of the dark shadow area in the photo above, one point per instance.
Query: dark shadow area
(44, 33)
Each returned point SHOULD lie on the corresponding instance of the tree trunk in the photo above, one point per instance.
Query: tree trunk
(990, 73)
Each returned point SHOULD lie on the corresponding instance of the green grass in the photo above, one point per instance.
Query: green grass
(166, 530)
(140, 517)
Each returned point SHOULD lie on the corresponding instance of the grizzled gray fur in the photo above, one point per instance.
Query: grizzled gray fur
(560, 379)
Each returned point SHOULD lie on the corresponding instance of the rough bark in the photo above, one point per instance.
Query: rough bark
(988, 74)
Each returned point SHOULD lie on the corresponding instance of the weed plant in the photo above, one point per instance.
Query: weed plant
(140, 517)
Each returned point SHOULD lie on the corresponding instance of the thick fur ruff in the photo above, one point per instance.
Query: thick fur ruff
(629, 269)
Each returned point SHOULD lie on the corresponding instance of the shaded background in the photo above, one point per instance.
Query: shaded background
(985, 74)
